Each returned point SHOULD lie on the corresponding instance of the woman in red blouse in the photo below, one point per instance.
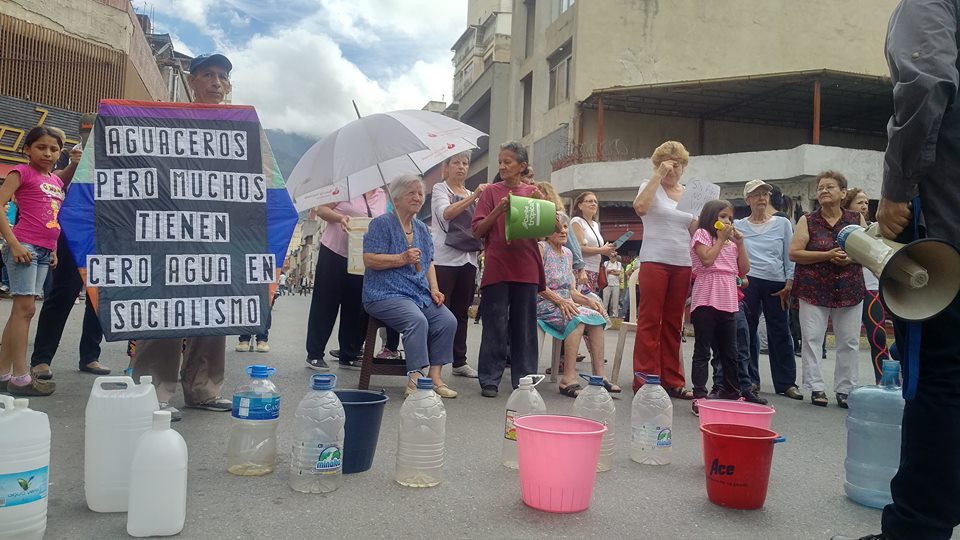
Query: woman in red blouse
(829, 285)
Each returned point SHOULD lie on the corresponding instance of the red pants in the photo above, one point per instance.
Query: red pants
(663, 295)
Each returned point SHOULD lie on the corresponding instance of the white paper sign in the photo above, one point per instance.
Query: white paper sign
(697, 194)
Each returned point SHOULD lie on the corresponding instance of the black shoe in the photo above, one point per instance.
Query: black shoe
(351, 364)
(489, 391)
(752, 397)
(317, 364)
(867, 537)
(335, 353)
(842, 401)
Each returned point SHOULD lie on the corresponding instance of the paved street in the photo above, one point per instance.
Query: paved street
(479, 497)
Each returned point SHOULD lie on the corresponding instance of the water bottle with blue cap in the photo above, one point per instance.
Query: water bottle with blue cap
(651, 423)
(316, 462)
(595, 403)
(252, 449)
(873, 439)
(420, 450)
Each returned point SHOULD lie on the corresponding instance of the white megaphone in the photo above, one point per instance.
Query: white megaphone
(917, 280)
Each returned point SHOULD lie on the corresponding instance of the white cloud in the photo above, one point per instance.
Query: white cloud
(301, 83)
(295, 71)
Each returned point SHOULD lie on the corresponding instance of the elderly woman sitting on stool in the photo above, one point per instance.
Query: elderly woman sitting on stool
(400, 285)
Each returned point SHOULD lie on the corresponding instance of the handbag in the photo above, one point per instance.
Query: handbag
(459, 231)
(602, 278)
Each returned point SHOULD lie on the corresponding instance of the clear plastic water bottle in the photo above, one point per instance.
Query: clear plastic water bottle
(422, 433)
(873, 439)
(523, 401)
(252, 449)
(651, 422)
(316, 462)
(595, 403)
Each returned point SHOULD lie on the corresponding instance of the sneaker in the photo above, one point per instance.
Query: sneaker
(34, 388)
(387, 354)
(243, 346)
(354, 364)
(217, 404)
(489, 391)
(175, 414)
(263, 346)
(752, 397)
(466, 371)
(317, 364)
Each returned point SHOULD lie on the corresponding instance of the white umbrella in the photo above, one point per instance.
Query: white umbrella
(372, 151)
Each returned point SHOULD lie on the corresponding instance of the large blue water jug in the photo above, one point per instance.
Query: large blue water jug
(873, 439)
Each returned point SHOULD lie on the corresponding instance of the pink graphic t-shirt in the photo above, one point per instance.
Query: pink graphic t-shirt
(715, 285)
(39, 198)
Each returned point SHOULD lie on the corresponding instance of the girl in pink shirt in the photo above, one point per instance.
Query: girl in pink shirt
(718, 257)
(30, 251)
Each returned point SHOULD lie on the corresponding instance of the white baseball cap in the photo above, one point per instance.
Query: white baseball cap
(754, 185)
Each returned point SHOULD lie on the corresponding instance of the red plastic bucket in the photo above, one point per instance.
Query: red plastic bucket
(736, 463)
(558, 458)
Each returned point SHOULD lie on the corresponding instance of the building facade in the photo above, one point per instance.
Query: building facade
(753, 88)
(481, 91)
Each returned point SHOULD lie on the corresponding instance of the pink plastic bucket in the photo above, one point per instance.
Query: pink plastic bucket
(741, 413)
(558, 458)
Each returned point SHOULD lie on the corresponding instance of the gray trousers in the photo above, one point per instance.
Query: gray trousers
(202, 366)
(427, 332)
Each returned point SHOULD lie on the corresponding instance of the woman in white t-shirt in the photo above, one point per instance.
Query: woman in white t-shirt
(664, 275)
(454, 259)
(587, 232)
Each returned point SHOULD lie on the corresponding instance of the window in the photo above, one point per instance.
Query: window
(527, 85)
(560, 75)
(558, 7)
(531, 28)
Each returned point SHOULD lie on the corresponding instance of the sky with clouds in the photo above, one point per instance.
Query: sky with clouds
(301, 62)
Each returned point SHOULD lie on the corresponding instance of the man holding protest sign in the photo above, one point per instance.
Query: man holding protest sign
(203, 357)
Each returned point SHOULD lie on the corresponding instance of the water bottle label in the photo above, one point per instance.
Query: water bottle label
(23, 487)
(509, 430)
(249, 408)
(653, 437)
(330, 460)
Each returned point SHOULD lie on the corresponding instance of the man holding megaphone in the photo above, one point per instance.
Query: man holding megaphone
(921, 198)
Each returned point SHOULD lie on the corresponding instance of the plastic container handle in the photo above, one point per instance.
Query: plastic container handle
(7, 402)
(122, 379)
(538, 378)
(779, 439)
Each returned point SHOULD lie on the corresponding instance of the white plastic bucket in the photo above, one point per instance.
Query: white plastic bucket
(115, 420)
(24, 470)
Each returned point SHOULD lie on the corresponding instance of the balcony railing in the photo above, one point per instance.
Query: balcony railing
(573, 154)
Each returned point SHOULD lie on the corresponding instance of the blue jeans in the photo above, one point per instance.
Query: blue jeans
(427, 332)
(27, 279)
(783, 364)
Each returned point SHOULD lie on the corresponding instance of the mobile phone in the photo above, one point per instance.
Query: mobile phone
(623, 238)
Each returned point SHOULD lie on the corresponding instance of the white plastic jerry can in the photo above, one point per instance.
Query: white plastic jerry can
(24, 470)
(158, 482)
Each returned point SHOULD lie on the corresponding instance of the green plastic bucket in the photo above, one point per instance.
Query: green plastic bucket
(530, 218)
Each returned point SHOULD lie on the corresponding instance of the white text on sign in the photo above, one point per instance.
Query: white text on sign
(118, 270)
(261, 268)
(217, 186)
(184, 313)
(200, 269)
(175, 226)
(125, 184)
(124, 141)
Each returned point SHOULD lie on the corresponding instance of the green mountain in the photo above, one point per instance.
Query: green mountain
(288, 148)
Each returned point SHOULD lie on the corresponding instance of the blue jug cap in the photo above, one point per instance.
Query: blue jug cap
(424, 383)
(648, 379)
(593, 380)
(891, 366)
(260, 372)
(324, 381)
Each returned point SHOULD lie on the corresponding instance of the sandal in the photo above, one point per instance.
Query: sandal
(572, 390)
(680, 393)
(612, 388)
(842, 401)
(819, 399)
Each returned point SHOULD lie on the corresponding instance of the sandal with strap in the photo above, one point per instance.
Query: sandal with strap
(819, 399)
(612, 388)
(680, 393)
(572, 390)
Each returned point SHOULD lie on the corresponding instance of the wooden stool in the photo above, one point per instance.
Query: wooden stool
(377, 366)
